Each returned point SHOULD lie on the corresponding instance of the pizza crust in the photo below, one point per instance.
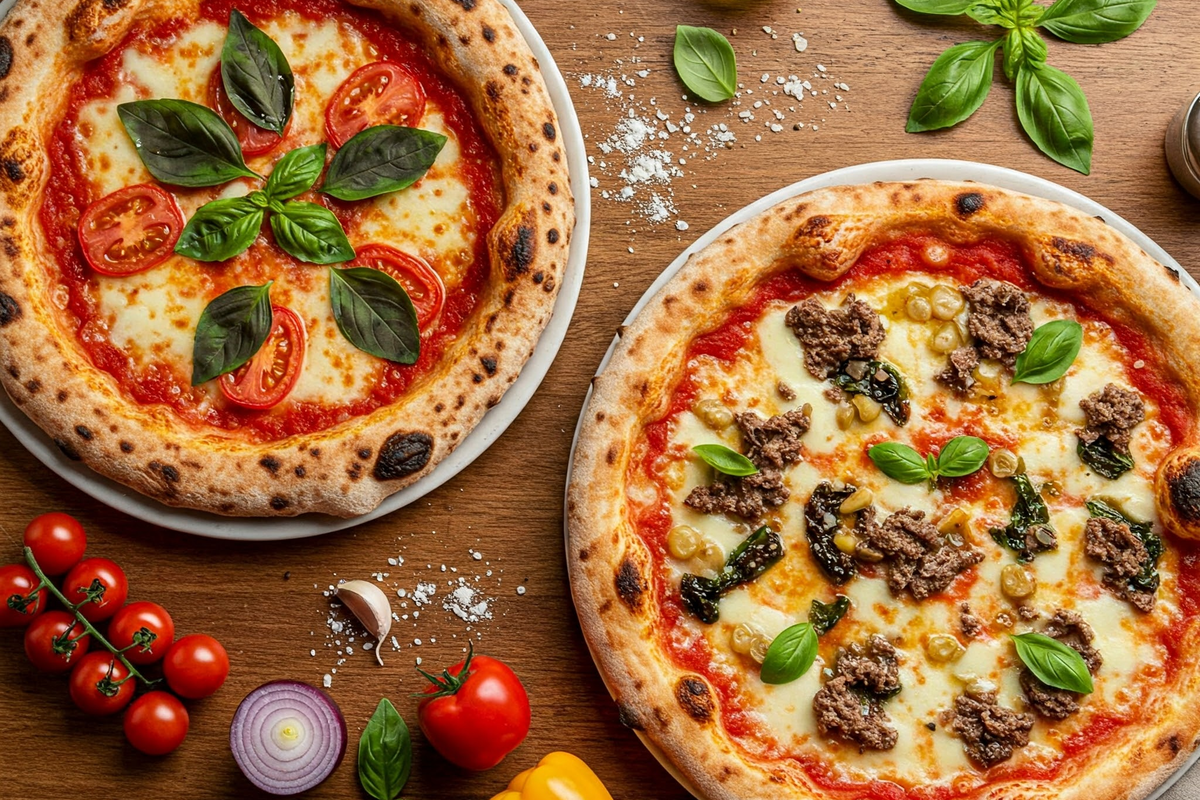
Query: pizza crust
(822, 234)
(348, 469)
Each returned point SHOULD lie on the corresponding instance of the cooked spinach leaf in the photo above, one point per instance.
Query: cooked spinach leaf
(1029, 531)
(879, 381)
(754, 556)
(1147, 580)
(824, 616)
(1104, 459)
(823, 519)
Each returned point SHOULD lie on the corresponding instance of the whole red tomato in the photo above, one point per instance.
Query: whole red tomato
(17, 582)
(51, 643)
(78, 583)
(156, 723)
(94, 684)
(475, 713)
(196, 666)
(57, 541)
(126, 626)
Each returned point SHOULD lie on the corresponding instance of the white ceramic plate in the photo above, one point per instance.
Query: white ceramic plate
(904, 170)
(489, 429)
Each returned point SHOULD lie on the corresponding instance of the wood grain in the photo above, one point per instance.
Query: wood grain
(259, 599)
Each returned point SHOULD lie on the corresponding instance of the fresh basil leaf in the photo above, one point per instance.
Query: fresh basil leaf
(221, 229)
(1050, 352)
(1022, 46)
(374, 313)
(258, 80)
(899, 461)
(296, 172)
(310, 233)
(232, 328)
(790, 655)
(384, 753)
(992, 13)
(381, 159)
(705, 62)
(1103, 459)
(1053, 663)
(1096, 21)
(824, 616)
(724, 460)
(961, 456)
(182, 143)
(956, 85)
(1055, 114)
(945, 7)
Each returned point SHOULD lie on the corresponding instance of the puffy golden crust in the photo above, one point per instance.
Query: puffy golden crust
(346, 470)
(822, 234)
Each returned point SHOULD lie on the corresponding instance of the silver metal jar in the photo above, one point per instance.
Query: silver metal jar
(1183, 146)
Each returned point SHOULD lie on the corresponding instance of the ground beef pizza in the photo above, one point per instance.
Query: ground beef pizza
(272, 257)
(891, 492)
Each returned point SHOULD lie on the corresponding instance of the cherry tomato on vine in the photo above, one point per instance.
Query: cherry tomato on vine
(78, 584)
(49, 645)
(96, 684)
(57, 541)
(18, 580)
(474, 713)
(381, 93)
(156, 723)
(196, 666)
(124, 629)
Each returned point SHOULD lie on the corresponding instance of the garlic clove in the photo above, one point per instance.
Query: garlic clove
(370, 605)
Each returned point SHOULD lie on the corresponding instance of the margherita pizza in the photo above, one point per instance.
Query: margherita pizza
(272, 257)
(893, 491)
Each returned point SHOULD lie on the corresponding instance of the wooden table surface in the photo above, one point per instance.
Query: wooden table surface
(260, 600)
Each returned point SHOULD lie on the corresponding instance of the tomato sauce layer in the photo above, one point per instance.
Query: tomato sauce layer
(69, 192)
(996, 259)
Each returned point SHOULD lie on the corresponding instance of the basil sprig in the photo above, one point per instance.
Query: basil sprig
(182, 143)
(231, 330)
(959, 457)
(1050, 105)
(1053, 663)
(384, 753)
(705, 62)
(724, 460)
(381, 159)
(790, 655)
(1050, 352)
(374, 313)
(257, 77)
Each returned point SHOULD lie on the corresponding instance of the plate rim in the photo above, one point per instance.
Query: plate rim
(489, 429)
(870, 172)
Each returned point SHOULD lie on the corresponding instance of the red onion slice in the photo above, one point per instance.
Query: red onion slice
(287, 737)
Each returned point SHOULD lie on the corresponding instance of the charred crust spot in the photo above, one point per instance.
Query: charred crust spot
(460, 401)
(629, 718)
(439, 408)
(467, 5)
(1183, 484)
(170, 474)
(34, 386)
(67, 450)
(126, 447)
(9, 310)
(6, 56)
(415, 10)
(279, 503)
(553, 187)
(489, 34)
(355, 471)
(1173, 744)
(605, 607)
(83, 432)
(600, 416)
(700, 287)
(508, 297)
(557, 156)
(364, 453)
(518, 253)
(549, 132)
(300, 472)
(493, 91)
(404, 453)
(1079, 250)
(552, 236)
(476, 378)
(270, 464)
(61, 396)
(694, 698)
(489, 364)
(585, 554)
(1174, 273)
(968, 203)
(13, 170)
(315, 452)
(510, 69)
(630, 586)
(539, 276)
(611, 455)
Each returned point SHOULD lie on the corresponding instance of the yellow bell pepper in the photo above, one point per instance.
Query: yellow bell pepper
(558, 776)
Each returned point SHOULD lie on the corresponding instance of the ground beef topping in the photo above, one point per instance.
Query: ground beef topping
(999, 320)
(1122, 552)
(957, 374)
(918, 559)
(831, 336)
(970, 624)
(1069, 628)
(772, 444)
(849, 705)
(989, 731)
(1112, 413)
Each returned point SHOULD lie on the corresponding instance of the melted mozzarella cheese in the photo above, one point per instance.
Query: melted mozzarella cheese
(151, 316)
(1042, 420)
